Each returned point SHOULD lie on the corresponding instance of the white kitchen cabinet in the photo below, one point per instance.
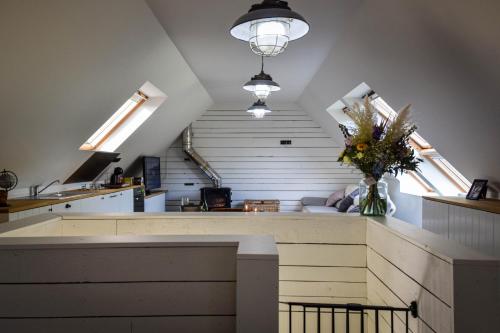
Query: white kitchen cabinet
(68, 207)
(127, 201)
(154, 203)
(45, 210)
(92, 204)
(118, 202)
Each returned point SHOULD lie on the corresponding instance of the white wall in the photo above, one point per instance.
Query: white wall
(441, 59)
(246, 152)
(66, 66)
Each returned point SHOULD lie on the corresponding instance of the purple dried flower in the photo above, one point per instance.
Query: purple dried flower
(377, 132)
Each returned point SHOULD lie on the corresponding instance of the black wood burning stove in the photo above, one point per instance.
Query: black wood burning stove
(216, 197)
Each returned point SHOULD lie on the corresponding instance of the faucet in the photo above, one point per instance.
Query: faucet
(34, 188)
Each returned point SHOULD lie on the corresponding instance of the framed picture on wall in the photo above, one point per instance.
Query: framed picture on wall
(478, 189)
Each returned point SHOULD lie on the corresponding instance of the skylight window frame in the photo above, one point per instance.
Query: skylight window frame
(115, 122)
(423, 147)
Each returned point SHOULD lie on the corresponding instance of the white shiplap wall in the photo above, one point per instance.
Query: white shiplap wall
(470, 227)
(248, 155)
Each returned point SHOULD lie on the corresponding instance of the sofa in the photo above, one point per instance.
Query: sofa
(339, 202)
(343, 201)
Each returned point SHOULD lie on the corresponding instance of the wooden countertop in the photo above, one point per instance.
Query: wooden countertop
(487, 205)
(18, 205)
(154, 194)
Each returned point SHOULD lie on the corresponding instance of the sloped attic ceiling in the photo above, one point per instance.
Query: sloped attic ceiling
(443, 58)
(66, 66)
(200, 29)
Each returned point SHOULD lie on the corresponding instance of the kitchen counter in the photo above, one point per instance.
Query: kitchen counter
(18, 205)
(155, 193)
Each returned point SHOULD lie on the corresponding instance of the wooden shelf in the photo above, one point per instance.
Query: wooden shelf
(486, 205)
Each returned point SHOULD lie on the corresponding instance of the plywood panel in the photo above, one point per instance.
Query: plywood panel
(427, 269)
(51, 228)
(114, 265)
(327, 274)
(331, 289)
(322, 255)
(117, 299)
(88, 227)
(436, 313)
(304, 228)
(199, 324)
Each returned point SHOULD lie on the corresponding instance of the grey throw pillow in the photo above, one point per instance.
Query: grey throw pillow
(334, 198)
(347, 201)
(345, 204)
(313, 201)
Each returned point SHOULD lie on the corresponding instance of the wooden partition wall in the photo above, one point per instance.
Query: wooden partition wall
(340, 259)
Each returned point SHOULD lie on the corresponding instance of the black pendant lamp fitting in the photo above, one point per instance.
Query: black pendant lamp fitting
(261, 84)
(269, 26)
(259, 109)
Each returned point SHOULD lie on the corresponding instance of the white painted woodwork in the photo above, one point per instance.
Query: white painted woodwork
(473, 228)
(247, 153)
(117, 299)
(113, 265)
(155, 204)
(72, 206)
(164, 279)
(405, 263)
(200, 324)
(323, 258)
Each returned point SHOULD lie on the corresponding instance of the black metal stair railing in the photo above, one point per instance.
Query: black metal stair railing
(350, 309)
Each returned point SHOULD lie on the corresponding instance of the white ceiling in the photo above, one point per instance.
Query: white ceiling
(200, 30)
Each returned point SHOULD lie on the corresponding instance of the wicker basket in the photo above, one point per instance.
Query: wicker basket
(261, 206)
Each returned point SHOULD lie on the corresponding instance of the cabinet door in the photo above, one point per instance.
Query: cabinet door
(27, 213)
(45, 209)
(92, 205)
(155, 204)
(71, 206)
(113, 203)
(127, 201)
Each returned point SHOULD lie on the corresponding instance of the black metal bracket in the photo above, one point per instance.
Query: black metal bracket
(414, 309)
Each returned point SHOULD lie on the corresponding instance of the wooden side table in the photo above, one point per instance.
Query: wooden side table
(261, 205)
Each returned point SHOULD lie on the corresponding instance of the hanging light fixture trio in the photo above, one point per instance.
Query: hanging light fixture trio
(268, 27)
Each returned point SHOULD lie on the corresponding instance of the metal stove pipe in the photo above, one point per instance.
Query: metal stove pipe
(187, 146)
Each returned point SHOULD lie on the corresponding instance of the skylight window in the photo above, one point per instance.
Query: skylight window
(437, 175)
(126, 120)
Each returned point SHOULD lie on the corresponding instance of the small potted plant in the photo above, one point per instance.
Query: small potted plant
(378, 146)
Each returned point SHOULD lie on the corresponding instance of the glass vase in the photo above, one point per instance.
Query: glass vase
(373, 196)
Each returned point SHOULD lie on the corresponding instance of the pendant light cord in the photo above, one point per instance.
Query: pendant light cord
(262, 67)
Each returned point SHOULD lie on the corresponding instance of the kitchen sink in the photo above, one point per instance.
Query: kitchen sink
(61, 195)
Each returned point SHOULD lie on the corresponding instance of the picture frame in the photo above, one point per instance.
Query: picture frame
(478, 189)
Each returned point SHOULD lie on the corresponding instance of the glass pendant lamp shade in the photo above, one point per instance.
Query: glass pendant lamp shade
(269, 26)
(259, 109)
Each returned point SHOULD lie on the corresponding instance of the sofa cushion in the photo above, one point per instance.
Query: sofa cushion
(334, 198)
(353, 209)
(348, 201)
(319, 209)
(350, 188)
(313, 201)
